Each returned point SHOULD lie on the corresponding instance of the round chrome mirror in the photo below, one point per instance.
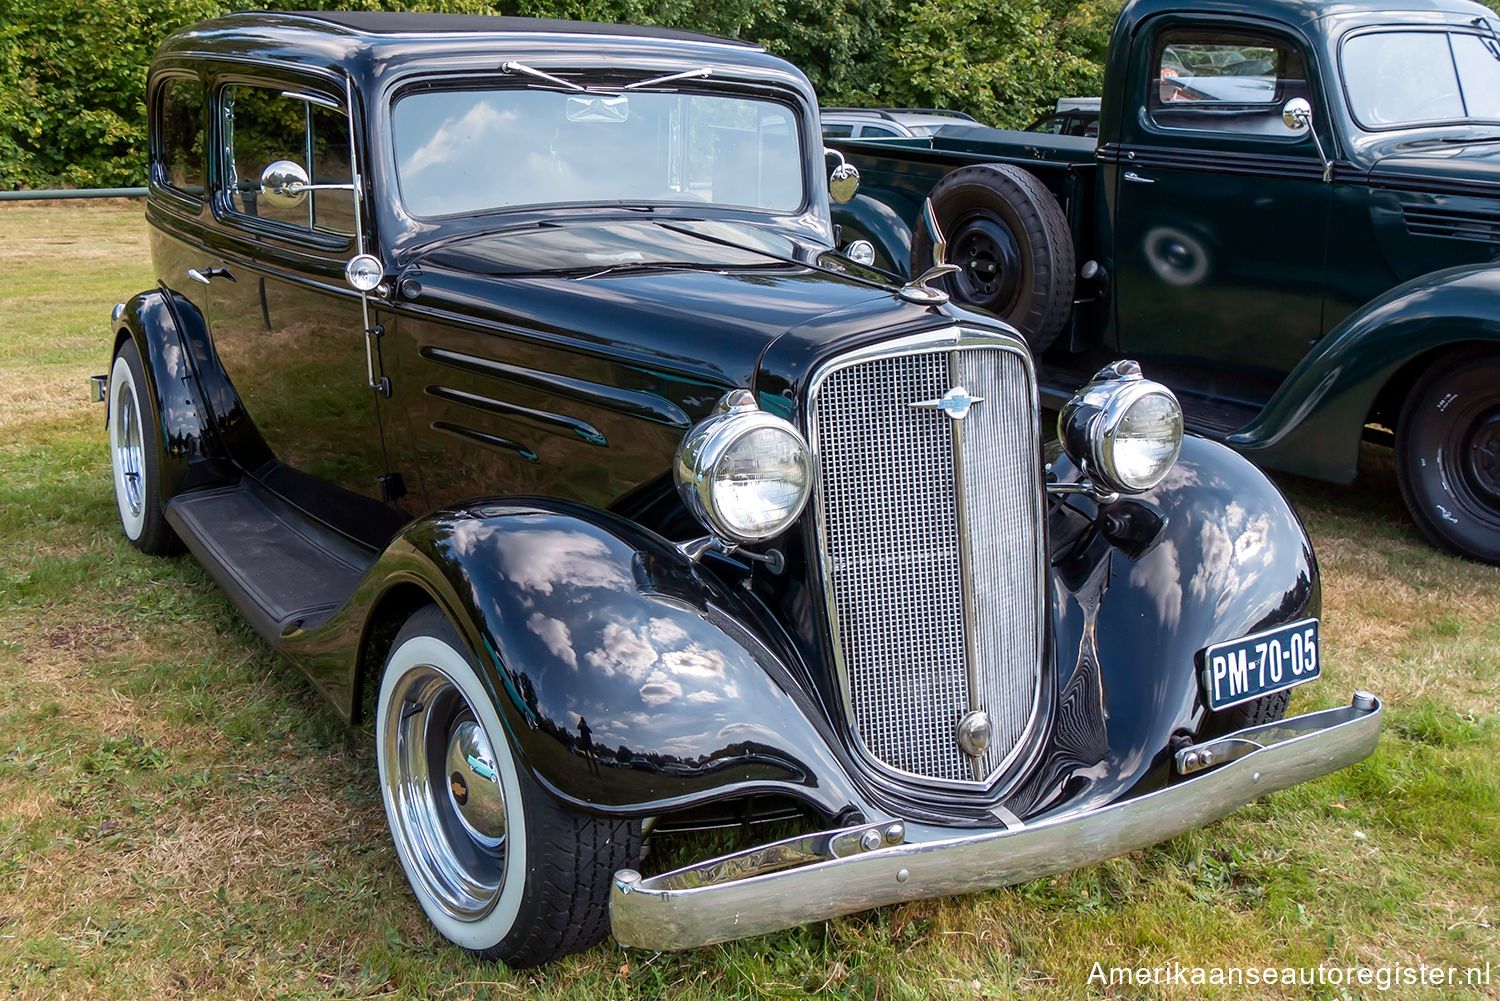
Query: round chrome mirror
(843, 181)
(1296, 114)
(282, 184)
(364, 272)
(860, 251)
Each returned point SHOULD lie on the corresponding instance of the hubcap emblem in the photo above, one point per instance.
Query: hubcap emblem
(956, 403)
(474, 784)
(974, 732)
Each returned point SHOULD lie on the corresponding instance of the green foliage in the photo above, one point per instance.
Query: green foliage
(73, 72)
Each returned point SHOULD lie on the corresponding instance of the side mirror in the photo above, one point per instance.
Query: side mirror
(364, 272)
(1297, 115)
(843, 180)
(284, 184)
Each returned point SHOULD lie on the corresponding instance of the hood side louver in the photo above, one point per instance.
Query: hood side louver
(1446, 223)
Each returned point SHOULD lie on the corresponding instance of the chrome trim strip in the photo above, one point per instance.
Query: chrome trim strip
(950, 340)
(804, 879)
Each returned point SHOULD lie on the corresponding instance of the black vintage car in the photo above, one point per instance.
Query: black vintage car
(506, 375)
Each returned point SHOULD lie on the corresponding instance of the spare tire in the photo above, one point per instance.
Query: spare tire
(1011, 240)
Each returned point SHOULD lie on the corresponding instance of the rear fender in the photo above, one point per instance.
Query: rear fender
(1314, 423)
(187, 444)
(624, 674)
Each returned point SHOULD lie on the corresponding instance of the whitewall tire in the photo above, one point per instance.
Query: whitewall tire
(498, 866)
(135, 465)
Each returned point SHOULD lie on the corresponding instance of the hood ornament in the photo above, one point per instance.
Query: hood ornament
(956, 403)
(919, 290)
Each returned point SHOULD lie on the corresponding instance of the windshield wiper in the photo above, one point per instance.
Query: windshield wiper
(515, 67)
(697, 74)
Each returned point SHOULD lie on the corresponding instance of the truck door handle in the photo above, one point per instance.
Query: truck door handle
(208, 274)
(1135, 178)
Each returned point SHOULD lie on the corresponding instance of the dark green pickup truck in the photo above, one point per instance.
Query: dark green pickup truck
(1291, 216)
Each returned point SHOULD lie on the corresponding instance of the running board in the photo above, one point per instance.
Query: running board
(279, 567)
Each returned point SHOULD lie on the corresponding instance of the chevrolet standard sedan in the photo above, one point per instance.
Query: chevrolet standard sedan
(509, 378)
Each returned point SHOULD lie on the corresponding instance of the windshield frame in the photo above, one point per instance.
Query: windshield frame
(1444, 28)
(720, 87)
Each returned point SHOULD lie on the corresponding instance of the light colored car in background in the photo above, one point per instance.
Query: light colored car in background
(1074, 116)
(888, 123)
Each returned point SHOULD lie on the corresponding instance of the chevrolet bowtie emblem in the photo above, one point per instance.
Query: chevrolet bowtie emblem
(955, 403)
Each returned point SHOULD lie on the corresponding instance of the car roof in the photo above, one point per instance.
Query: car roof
(897, 115)
(407, 23)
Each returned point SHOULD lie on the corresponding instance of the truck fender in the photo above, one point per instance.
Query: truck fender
(879, 221)
(626, 680)
(1314, 422)
(1139, 589)
(152, 322)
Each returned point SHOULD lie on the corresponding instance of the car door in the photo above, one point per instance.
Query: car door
(1221, 208)
(287, 329)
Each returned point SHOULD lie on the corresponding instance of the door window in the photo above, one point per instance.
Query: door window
(262, 126)
(179, 144)
(1224, 82)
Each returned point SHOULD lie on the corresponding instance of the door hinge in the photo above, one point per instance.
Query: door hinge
(392, 487)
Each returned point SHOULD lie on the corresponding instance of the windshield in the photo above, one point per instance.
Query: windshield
(466, 151)
(1396, 78)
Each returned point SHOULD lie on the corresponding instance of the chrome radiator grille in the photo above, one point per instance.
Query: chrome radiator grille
(930, 530)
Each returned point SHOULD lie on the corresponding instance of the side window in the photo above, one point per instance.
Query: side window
(262, 126)
(1051, 125)
(1217, 81)
(837, 130)
(878, 132)
(179, 146)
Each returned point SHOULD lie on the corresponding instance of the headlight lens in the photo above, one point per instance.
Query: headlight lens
(744, 473)
(1124, 429)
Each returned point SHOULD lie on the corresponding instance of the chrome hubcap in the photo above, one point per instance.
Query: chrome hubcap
(474, 785)
(128, 450)
(447, 803)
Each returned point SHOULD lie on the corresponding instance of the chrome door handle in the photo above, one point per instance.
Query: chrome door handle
(208, 274)
(1135, 178)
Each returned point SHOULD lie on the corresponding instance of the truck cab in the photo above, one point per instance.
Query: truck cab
(1290, 214)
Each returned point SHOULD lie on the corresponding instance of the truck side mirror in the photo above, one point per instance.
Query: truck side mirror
(843, 180)
(1297, 115)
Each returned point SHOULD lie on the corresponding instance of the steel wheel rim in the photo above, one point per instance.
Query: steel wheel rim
(460, 864)
(1483, 457)
(129, 449)
(987, 252)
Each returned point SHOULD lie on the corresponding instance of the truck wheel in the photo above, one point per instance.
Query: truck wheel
(499, 866)
(1010, 237)
(134, 463)
(1448, 455)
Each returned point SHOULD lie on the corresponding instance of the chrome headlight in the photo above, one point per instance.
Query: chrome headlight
(744, 473)
(1123, 430)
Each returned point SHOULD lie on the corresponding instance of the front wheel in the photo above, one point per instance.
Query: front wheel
(1448, 456)
(499, 866)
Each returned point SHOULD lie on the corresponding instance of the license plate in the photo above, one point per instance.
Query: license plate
(1253, 666)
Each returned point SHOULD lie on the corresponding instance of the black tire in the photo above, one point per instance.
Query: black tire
(1448, 455)
(1010, 237)
(563, 863)
(132, 423)
(1263, 710)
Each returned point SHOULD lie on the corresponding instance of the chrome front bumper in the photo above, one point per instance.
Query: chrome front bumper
(820, 876)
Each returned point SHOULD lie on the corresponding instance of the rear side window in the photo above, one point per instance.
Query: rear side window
(1224, 81)
(180, 145)
(262, 126)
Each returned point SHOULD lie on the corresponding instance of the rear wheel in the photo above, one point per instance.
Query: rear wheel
(1448, 455)
(1012, 243)
(499, 866)
(134, 462)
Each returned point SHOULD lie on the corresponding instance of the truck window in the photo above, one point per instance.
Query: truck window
(1415, 77)
(1224, 82)
(179, 144)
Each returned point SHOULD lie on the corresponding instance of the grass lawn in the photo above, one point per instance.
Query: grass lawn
(181, 814)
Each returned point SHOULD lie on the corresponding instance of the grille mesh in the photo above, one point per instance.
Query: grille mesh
(894, 541)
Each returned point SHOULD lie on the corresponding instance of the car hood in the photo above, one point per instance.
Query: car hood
(1450, 162)
(700, 300)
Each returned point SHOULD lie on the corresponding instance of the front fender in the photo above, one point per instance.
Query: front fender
(622, 671)
(882, 221)
(1140, 589)
(1314, 423)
